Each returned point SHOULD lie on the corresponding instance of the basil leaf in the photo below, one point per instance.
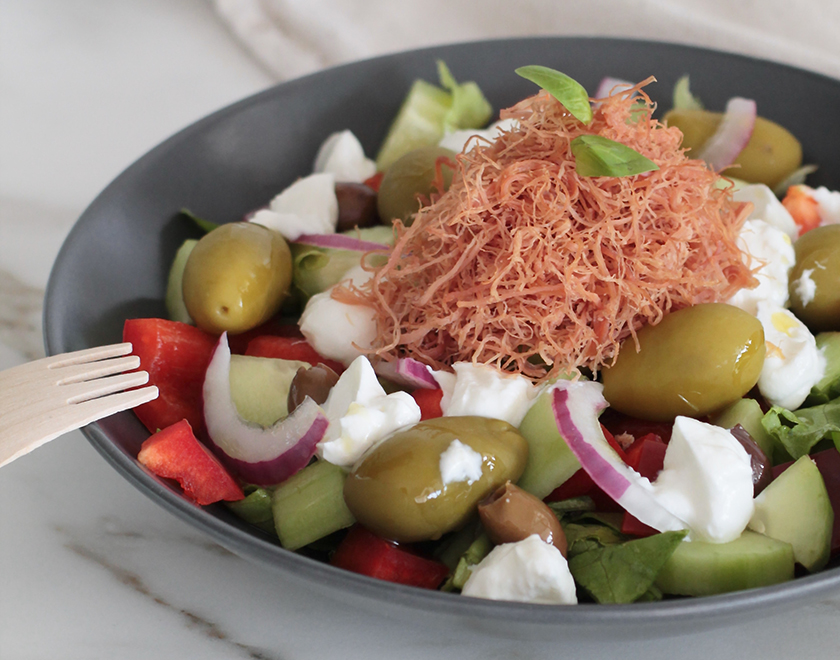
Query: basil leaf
(799, 432)
(206, 225)
(568, 91)
(596, 155)
(624, 572)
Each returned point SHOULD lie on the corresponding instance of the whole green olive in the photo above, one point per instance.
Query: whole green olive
(399, 492)
(771, 154)
(695, 361)
(237, 277)
(410, 176)
(814, 281)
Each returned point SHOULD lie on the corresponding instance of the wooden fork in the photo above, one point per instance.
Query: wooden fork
(43, 399)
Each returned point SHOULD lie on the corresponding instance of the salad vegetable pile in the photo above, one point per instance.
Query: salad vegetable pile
(568, 357)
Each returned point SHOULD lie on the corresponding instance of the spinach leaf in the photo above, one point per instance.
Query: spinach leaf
(624, 572)
(596, 155)
(568, 91)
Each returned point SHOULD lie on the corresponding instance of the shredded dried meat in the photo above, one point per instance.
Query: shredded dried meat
(525, 265)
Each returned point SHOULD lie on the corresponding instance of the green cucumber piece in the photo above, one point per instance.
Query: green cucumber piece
(175, 307)
(828, 343)
(310, 505)
(704, 569)
(419, 123)
(550, 461)
(795, 508)
(748, 414)
(259, 387)
(255, 508)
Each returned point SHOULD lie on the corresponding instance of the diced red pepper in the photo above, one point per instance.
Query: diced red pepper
(175, 453)
(276, 326)
(374, 181)
(176, 356)
(429, 402)
(646, 455)
(289, 348)
(363, 552)
(619, 423)
(828, 463)
(803, 208)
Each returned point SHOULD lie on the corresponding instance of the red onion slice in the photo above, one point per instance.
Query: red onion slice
(576, 406)
(732, 134)
(340, 242)
(260, 456)
(407, 372)
(608, 85)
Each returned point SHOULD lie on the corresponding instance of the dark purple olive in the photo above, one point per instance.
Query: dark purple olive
(762, 471)
(315, 383)
(356, 206)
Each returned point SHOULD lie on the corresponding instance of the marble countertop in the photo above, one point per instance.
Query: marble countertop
(90, 568)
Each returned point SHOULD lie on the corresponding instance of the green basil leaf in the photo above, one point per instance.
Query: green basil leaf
(596, 155)
(624, 572)
(568, 91)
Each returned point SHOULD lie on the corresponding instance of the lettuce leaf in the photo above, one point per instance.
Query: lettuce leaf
(799, 432)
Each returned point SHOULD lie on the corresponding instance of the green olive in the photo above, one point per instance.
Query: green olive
(237, 277)
(397, 490)
(410, 176)
(817, 260)
(771, 154)
(693, 362)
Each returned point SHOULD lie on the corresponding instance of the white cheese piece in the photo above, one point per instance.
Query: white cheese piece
(793, 364)
(828, 203)
(463, 141)
(484, 391)
(335, 329)
(706, 481)
(769, 250)
(308, 206)
(342, 155)
(361, 414)
(805, 287)
(530, 571)
(767, 207)
(460, 462)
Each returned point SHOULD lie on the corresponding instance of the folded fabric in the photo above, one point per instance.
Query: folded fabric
(294, 37)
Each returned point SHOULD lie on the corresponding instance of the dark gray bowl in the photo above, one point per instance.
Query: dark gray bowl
(114, 265)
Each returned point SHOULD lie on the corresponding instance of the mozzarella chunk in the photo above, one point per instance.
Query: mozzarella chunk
(460, 462)
(706, 481)
(767, 207)
(463, 141)
(828, 203)
(335, 329)
(361, 414)
(530, 571)
(769, 250)
(308, 206)
(484, 391)
(342, 155)
(793, 364)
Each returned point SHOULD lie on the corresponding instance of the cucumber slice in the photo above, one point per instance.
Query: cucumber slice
(796, 508)
(704, 569)
(419, 123)
(175, 307)
(748, 414)
(259, 387)
(550, 461)
(310, 505)
(828, 343)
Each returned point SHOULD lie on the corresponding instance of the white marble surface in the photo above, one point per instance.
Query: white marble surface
(90, 568)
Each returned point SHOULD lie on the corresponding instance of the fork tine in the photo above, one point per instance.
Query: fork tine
(91, 389)
(75, 373)
(89, 355)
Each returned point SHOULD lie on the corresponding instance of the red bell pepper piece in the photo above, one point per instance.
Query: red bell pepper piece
(175, 453)
(275, 326)
(429, 402)
(374, 181)
(176, 356)
(363, 552)
(289, 348)
(619, 423)
(646, 455)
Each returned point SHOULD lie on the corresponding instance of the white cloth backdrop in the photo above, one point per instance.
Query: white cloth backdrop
(294, 37)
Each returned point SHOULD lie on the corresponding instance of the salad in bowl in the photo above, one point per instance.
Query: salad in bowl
(581, 354)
